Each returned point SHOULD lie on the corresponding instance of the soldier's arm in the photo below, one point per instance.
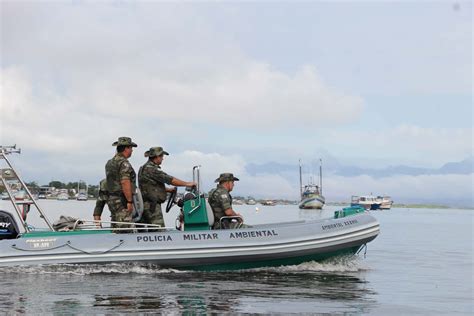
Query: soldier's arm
(180, 183)
(99, 208)
(227, 206)
(165, 178)
(127, 190)
(125, 175)
(231, 212)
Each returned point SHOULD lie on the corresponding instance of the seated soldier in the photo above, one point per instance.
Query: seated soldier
(220, 201)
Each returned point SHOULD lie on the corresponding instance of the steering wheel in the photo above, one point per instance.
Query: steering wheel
(171, 200)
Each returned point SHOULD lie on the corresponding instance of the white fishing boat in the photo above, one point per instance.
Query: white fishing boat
(312, 194)
(385, 202)
(4, 196)
(251, 202)
(368, 202)
(194, 246)
(63, 195)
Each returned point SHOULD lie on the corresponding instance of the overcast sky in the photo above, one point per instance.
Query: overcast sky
(221, 84)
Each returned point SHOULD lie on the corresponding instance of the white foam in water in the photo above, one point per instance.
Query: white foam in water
(340, 264)
(119, 268)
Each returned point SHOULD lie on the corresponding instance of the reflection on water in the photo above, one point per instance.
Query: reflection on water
(147, 288)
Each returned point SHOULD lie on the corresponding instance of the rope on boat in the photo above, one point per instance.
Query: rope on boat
(364, 246)
(46, 249)
(94, 252)
(68, 244)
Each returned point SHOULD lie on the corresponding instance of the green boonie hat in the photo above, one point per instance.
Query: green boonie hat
(155, 152)
(226, 177)
(124, 141)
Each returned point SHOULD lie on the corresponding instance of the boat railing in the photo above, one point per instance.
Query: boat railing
(84, 224)
(197, 180)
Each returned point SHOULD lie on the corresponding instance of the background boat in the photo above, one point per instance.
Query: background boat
(385, 202)
(268, 203)
(251, 201)
(63, 195)
(369, 202)
(312, 194)
(81, 191)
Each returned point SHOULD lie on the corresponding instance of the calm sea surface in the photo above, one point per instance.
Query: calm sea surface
(421, 263)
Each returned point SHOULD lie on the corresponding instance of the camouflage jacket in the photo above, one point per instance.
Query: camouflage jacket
(219, 200)
(151, 180)
(118, 168)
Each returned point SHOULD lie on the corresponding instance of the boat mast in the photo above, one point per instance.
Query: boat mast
(4, 151)
(301, 183)
(320, 176)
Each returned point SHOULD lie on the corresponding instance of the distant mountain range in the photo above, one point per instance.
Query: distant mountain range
(465, 166)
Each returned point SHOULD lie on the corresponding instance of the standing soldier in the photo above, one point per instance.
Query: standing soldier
(121, 183)
(152, 180)
(220, 201)
(101, 201)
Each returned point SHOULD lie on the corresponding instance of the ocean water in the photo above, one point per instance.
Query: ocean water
(421, 263)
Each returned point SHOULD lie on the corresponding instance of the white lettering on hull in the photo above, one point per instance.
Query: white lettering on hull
(204, 236)
(154, 238)
(340, 225)
(254, 234)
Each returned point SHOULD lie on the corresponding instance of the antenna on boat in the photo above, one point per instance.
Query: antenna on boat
(4, 151)
(320, 176)
(301, 182)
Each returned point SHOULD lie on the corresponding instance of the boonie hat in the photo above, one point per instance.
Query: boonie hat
(124, 141)
(155, 151)
(226, 177)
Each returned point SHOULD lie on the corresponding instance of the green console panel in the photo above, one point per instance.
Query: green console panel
(195, 214)
(348, 211)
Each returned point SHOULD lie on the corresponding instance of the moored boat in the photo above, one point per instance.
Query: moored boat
(385, 202)
(368, 202)
(194, 246)
(311, 194)
(250, 201)
(268, 203)
(81, 192)
(63, 195)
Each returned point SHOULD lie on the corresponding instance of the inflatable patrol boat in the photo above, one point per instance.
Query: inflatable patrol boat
(194, 245)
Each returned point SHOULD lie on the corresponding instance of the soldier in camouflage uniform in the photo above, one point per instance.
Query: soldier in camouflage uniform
(121, 183)
(152, 180)
(220, 201)
(101, 201)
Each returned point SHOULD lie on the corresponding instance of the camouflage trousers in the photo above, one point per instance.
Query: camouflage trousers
(152, 216)
(119, 213)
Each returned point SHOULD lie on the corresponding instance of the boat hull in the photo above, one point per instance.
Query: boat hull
(312, 203)
(262, 245)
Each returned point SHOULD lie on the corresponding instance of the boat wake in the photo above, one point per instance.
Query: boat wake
(340, 264)
(90, 269)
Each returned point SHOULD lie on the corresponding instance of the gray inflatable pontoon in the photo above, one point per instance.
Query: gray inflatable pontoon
(195, 247)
